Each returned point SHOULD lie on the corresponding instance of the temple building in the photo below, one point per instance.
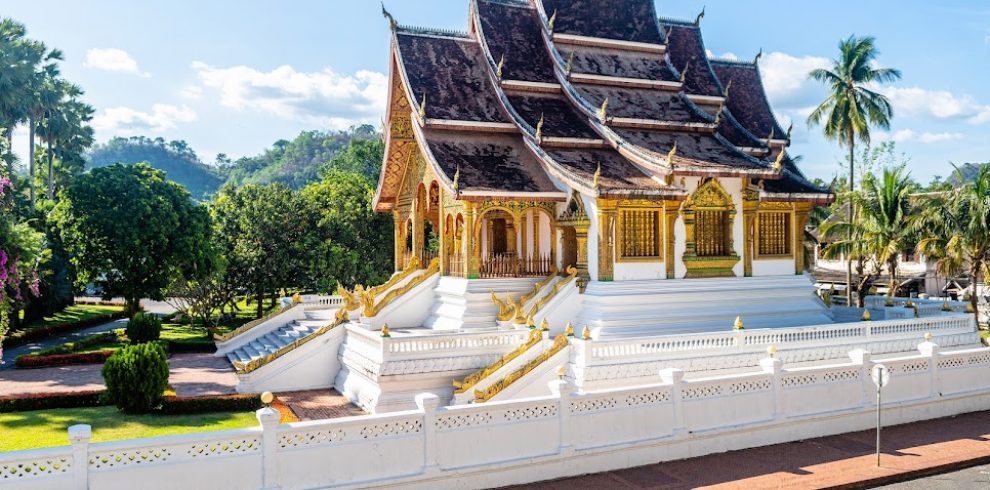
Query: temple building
(549, 136)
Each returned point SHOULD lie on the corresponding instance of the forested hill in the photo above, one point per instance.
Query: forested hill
(179, 162)
(294, 163)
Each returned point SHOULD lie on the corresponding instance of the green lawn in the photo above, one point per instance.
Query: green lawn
(47, 428)
(74, 313)
(171, 332)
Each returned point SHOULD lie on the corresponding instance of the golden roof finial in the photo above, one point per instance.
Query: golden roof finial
(866, 315)
(422, 106)
(758, 56)
(773, 134)
(586, 333)
(570, 63)
(687, 66)
(603, 111)
(392, 24)
(697, 20)
(531, 321)
(539, 128)
(385, 333)
(718, 118)
(772, 350)
(738, 325)
(778, 164)
(728, 86)
(671, 154)
(595, 178)
(929, 336)
(545, 325)
(790, 129)
(562, 372)
(670, 32)
(569, 330)
(553, 19)
(456, 184)
(501, 64)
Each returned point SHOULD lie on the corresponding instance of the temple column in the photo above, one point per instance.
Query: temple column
(607, 214)
(751, 203)
(801, 212)
(472, 249)
(400, 242)
(419, 230)
(581, 237)
(524, 251)
(442, 238)
(670, 209)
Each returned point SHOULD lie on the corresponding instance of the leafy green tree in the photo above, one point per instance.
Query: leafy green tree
(21, 248)
(265, 234)
(852, 105)
(361, 156)
(353, 242)
(131, 231)
(179, 162)
(957, 229)
(20, 58)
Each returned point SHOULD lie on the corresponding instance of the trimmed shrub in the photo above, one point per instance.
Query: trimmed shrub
(144, 327)
(45, 401)
(136, 377)
(175, 405)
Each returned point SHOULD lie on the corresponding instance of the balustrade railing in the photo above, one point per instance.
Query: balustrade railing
(455, 265)
(508, 265)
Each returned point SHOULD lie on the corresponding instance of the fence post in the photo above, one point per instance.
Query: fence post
(563, 390)
(268, 417)
(930, 349)
(675, 377)
(773, 366)
(862, 357)
(428, 403)
(79, 436)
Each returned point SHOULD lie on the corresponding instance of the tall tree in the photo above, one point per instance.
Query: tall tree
(852, 106)
(131, 231)
(38, 109)
(956, 228)
(19, 57)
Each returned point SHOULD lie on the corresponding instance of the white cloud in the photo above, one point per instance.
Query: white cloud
(724, 56)
(938, 104)
(323, 97)
(905, 135)
(127, 121)
(112, 59)
(785, 78)
(192, 92)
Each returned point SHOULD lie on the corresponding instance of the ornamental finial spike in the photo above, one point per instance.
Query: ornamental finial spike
(422, 106)
(570, 63)
(539, 128)
(668, 34)
(778, 164)
(545, 325)
(866, 315)
(531, 321)
(569, 330)
(586, 333)
(790, 129)
(728, 86)
(738, 325)
(603, 111)
(671, 154)
(697, 20)
(759, 55)
(392, 24)
(501, 64)
(597, 177)
(456, 184)
(553, 19)
(687, 66)
(385, 332)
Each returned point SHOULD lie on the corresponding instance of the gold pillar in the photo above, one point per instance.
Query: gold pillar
(471, 246)
(607, 213)
(400, 240)
(581, 237)
(670, 209)
(751, 203)
(524, 247)
(801, 212)
(535, 250)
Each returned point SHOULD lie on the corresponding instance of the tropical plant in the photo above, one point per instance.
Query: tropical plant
(143, 328)
(852, 105)
(21, 249)
(136, 377)
(956, 228)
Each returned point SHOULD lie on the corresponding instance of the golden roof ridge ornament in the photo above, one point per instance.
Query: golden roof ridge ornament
(586, 333)
(670, 32)
(539, 128)
(671, 154)
(697, 20)
(603, 111)
(778, 165)
(422, 107)
(718, 118)
(759, 55)
(728, 86)
(597, 177)
(456, 184)
(552, 20)
(569, 330)
(687, 66)
(392, 24)
(570, 63)
(498, 69)
(738, 325)
(544, 325)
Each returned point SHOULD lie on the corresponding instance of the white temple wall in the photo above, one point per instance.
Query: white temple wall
(633, 271)
(775, 267)
(591, 208)
(734, 188)
(546, 233)
(680, 246)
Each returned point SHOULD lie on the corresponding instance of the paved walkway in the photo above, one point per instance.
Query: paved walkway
(843, 461)
(319, 404)
(977, 478)
(190, 375)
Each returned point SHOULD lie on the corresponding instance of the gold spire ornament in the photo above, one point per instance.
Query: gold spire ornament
(738, 325)
(539, 128)
(385, 333)
(456, 184)
(545, 325)
(586, 333)
(759, 55)
(697, 20)
(929, 336)
(671, 154)
(597, 177)
(422, 106)
(603, 111)
(866, 315)
(569, 330)
(778, 164)
(501, 64)
(392, 24)
(728, 86)
(670, 32)
(687, 66)
(772, 350)
(570, 63)
(945, 305)
(561, 372)
(553, 19)
(531, 321)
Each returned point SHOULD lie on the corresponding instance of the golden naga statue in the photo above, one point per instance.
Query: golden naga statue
(367, 298)
(350, 302)
(571, 270)
(505, 311)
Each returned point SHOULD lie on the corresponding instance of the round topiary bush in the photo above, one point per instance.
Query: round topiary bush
(136, 377)
(144, 327)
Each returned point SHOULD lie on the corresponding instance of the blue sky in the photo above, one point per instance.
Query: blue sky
(233, 76)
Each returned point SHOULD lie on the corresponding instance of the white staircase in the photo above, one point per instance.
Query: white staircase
(463, 304)
(272, 341)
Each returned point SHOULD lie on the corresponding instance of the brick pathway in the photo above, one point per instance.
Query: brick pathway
(190, 375)
(319, 404)
(843, 461)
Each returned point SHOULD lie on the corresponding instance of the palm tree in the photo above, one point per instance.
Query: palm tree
(19, 58)
(957, 229)
(852, 106)
(37, 110)
(882, 228)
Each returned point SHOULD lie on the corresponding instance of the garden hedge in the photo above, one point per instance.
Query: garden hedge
(36, 361)
(176, 405)
(46, 401)
(21, 337)
(144, 327)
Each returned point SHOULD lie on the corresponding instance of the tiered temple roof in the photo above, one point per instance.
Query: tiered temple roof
(613, 105)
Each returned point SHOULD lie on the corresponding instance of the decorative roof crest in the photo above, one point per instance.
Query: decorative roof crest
(539, 128)
(603, 111)
(672, 153)
(598, 174)
(501, 64)
(697, 20)
(778, 164)
(670, 32)
(456, 184)
(552, 20)
(687, 66)
(758, 56)
(570, 63)
(422, 106)
(392, 24)
(728, 86)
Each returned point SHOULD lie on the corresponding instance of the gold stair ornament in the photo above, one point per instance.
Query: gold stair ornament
(866, 315)
(738, 325)
(586, 333)
(385, 332)
(544, 325)
(569, 330)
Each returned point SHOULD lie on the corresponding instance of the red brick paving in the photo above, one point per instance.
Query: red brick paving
(319, 404)
(201, 374)
(843, 461)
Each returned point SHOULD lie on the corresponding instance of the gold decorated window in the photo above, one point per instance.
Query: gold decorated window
(773, 235)
(711, 230)
(640, 234)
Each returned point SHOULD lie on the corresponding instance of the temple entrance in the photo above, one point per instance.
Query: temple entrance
(569, 247)
(499, 243)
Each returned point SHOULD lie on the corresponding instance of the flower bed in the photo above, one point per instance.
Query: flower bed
(33, 361)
